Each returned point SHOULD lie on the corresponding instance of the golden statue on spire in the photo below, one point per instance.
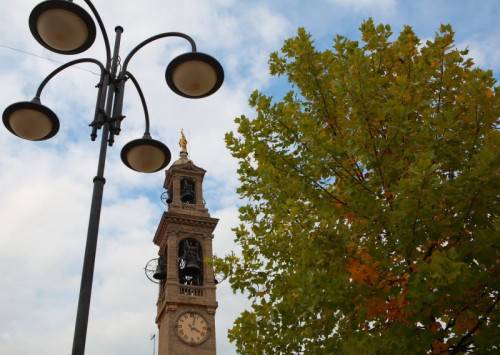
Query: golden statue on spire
(183, 142)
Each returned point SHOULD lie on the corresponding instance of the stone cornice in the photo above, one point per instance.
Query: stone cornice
(170, 306)
(171, 219)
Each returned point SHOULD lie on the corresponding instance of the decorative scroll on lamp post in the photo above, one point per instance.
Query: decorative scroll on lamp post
(66, 28)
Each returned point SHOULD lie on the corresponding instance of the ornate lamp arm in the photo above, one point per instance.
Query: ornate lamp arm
(66, 65)
(154, 38)
(101, 94)
(117, 115)
(103, 32)
(143, 101)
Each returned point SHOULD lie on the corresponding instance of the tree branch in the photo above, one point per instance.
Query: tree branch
(461, 343)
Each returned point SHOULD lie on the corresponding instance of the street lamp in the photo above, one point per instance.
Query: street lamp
(62, 26)
(66, 28)
(31, 120)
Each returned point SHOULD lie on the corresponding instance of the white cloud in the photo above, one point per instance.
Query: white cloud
(484, 51)
(46, 186)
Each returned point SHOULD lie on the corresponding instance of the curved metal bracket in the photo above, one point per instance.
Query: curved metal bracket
(143, 100)
(154, 38)
(64, 66)
(150, 268)
(103, 32)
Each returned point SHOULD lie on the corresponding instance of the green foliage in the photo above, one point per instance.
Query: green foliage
(372, 186)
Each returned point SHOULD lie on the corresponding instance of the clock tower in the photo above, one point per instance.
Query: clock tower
(186, 302)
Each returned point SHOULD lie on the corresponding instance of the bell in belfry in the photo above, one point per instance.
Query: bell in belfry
(187, 191)
(190, 270)
(193, 260)
(160, 273)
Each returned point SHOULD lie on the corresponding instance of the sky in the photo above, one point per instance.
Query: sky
(46, 186)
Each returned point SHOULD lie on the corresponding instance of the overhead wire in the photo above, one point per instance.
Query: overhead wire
(44, 58)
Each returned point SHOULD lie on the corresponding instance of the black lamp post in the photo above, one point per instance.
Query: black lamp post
(66, 28)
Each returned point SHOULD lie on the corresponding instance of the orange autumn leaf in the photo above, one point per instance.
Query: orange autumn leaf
(414, 268)
(388, 195)
(375, 306)
(465, 322)
(350, 217)
(435, 327)
(439, 347)
(362, 273)
(396, 307)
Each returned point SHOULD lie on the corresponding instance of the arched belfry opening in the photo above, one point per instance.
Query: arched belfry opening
(188, 194)
(190, 265)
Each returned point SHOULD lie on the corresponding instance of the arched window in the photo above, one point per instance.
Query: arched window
(190, 265)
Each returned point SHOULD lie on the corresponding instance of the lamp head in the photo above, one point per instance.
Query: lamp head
(145, 155)
(30, 120)
(194, 75)
(62, 26)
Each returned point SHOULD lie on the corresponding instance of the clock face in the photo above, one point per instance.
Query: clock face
(192, 328)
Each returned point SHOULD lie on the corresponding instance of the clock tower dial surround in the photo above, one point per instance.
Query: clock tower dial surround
(186, 302)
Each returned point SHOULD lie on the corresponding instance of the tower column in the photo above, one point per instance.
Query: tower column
(209, 272)
(176, 192)
(199, 192)
(172, 258)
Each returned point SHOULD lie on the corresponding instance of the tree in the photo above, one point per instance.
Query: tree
(371, 216)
